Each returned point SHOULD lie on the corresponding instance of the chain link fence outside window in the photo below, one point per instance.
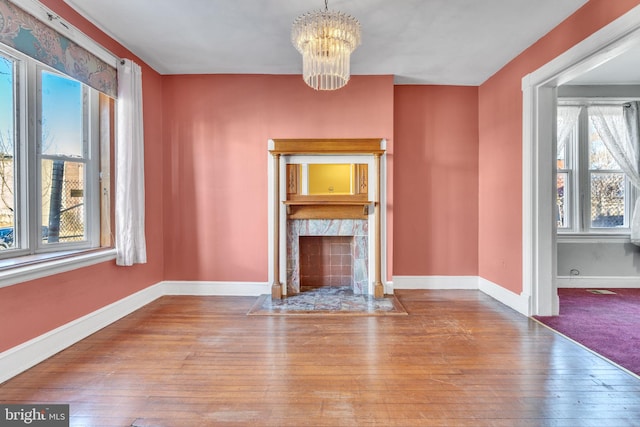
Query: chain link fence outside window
(607, 200)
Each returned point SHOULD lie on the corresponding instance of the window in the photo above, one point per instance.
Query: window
(593, 193)
(50, 144)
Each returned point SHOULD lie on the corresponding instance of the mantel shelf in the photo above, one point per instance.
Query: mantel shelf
(328, 209)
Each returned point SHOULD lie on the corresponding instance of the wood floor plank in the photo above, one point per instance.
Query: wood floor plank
(459, 358)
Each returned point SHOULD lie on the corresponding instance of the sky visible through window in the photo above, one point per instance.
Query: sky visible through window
(61, 111)
(61, 115)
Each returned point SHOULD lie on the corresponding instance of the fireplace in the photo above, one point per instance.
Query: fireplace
(349, 237)
(327, 189)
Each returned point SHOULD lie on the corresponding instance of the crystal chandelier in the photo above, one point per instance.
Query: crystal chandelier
(325, 39)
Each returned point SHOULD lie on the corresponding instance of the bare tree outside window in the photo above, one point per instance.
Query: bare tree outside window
(6, 180)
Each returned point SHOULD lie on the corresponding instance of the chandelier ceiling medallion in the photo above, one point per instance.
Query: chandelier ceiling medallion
(326, 40)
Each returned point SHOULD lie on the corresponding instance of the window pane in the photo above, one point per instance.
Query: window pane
(561, 199)
(607, 200)
(61, 116)
(63, 218)
(7, 153)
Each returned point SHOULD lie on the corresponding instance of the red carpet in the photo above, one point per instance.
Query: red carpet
(606, 324)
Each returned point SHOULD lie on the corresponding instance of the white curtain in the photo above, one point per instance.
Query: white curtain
(618, 130)
(631, 113)
(567, 117)
(130, 238)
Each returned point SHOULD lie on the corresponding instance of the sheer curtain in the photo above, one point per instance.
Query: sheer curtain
(567, 117)
(619, 133)
(130, 238)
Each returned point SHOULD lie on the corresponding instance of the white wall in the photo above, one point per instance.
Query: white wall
(598, 258)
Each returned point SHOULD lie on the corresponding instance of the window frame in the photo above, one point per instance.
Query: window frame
(29, 248)
(579, 180)
(90, 159)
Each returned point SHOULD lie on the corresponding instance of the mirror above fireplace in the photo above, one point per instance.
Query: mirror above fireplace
(330, 179)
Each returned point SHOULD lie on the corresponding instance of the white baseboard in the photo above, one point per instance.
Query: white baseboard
(28, 354)
(519, 303)
(238, 289)
(598, 282)
(435, 282)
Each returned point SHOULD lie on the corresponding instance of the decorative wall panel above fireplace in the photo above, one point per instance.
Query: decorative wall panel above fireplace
(327, 190)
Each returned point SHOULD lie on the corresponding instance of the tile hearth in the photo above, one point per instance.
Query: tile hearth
(328, 300)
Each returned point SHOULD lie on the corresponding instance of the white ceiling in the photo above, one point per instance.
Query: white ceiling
(457, 42)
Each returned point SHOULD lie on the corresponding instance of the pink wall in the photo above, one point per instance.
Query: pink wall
(216, 131)
(206, 170)
(436, 181)
(32, 308)
(500, 142)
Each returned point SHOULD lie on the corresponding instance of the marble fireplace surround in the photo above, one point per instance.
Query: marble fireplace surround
(369, 234)
(355, 228)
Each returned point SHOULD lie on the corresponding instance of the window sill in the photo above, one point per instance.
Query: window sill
(23, 269)
(594, 238)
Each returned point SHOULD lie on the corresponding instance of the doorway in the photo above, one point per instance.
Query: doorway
(539, 151)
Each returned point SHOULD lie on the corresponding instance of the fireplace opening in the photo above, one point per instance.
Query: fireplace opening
(326, 261)
(346, 252)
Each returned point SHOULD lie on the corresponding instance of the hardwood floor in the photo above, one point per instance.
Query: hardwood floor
(458, 359)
